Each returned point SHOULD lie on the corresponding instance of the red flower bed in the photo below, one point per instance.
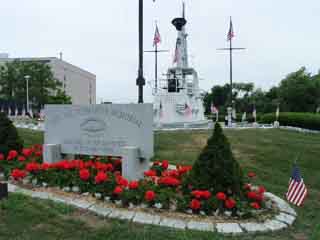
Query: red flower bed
(161, 187)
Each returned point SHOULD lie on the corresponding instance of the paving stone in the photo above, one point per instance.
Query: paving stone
(254, 227)
(229, 228)
(99, 210)
(175, 223)
(127, 215)
(41, 195)
(81, 203)
(274, 225)
(12, 188)
(283, 205)
(146, 218)
(114, 213)
(286, 218)
(201, 226)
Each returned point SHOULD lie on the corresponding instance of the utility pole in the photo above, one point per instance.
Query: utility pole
(140, 82)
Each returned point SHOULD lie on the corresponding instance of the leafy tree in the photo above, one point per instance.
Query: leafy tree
(299, 91)
(59, 98)
(216, 169)
(42, 84)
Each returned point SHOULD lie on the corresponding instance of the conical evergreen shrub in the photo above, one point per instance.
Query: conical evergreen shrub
(9, 138)
(216, 169)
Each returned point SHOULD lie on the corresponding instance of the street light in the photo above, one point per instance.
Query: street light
(27, 77)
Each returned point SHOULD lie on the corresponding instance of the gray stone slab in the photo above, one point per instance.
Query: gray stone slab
(99, 210)
(40, 195)
(12, 188)
(81, 203)
(126, 215)
(115, 213)
(274, 225)
(254, 227)
(283, 205)
(229, 228)
(146, 218)
(200, 226)
(286, 218)
(175, 223)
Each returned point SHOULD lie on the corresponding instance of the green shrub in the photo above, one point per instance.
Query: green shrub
(216, 169)
(303, 120)
(9, 138)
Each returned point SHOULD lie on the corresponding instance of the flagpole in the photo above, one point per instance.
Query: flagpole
(230, 52)
(140, 82)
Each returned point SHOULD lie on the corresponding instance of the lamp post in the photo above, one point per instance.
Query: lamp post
(27, 77)
(140, 80)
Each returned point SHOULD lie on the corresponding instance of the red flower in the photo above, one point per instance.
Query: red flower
(252, 195)
(101, 177)
(206, 194)
(230, 203)
(195, 204)
(165, 164)
(38, 154)
(184, 169)
(247, 186)
(1, 157)
(118, 190)
(221, 196)
(18, 174)
(133, 185)
(109, 167)
(27, 152)
(197, 194)
(12, 154)
(33, 167)
(149, 196)
(150, 173)
(261, 189)
(251, 174)
(255, 205)
(122, 181)
(21, 158)
(117, 162)
(45, 166)
(169, 181)
(259, 197)
(84, 174)
(170, 173)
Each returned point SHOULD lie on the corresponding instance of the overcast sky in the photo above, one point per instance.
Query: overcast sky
(101, 36)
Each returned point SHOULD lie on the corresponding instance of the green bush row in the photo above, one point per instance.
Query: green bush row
(302, 120)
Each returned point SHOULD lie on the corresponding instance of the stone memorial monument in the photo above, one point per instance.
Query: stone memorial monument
(101, 130)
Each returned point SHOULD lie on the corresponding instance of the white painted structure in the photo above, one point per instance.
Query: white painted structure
(178, 100)
(101, 130)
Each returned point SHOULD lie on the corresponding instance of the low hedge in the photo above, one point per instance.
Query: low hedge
(303, 120)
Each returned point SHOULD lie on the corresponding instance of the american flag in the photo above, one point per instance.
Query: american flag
(213, 109)
(297, 190)
(230, 33)
(157, 37)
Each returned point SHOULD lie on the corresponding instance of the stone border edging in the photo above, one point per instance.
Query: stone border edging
(284, 219)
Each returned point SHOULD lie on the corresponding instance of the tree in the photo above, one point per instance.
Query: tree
(42, 84)
(216, 169)
(299, 92)
(59, 98)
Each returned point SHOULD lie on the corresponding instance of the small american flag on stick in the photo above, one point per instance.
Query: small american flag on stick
(297, 190)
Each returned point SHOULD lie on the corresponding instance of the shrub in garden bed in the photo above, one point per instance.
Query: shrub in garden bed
(162, 188)
(303, 120)
(9, 138)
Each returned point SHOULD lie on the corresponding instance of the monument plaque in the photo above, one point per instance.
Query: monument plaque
(99, 130)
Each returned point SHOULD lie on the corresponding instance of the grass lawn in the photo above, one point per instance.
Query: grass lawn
(269, 153)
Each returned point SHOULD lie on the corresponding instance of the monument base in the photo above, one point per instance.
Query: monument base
(133, 165)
